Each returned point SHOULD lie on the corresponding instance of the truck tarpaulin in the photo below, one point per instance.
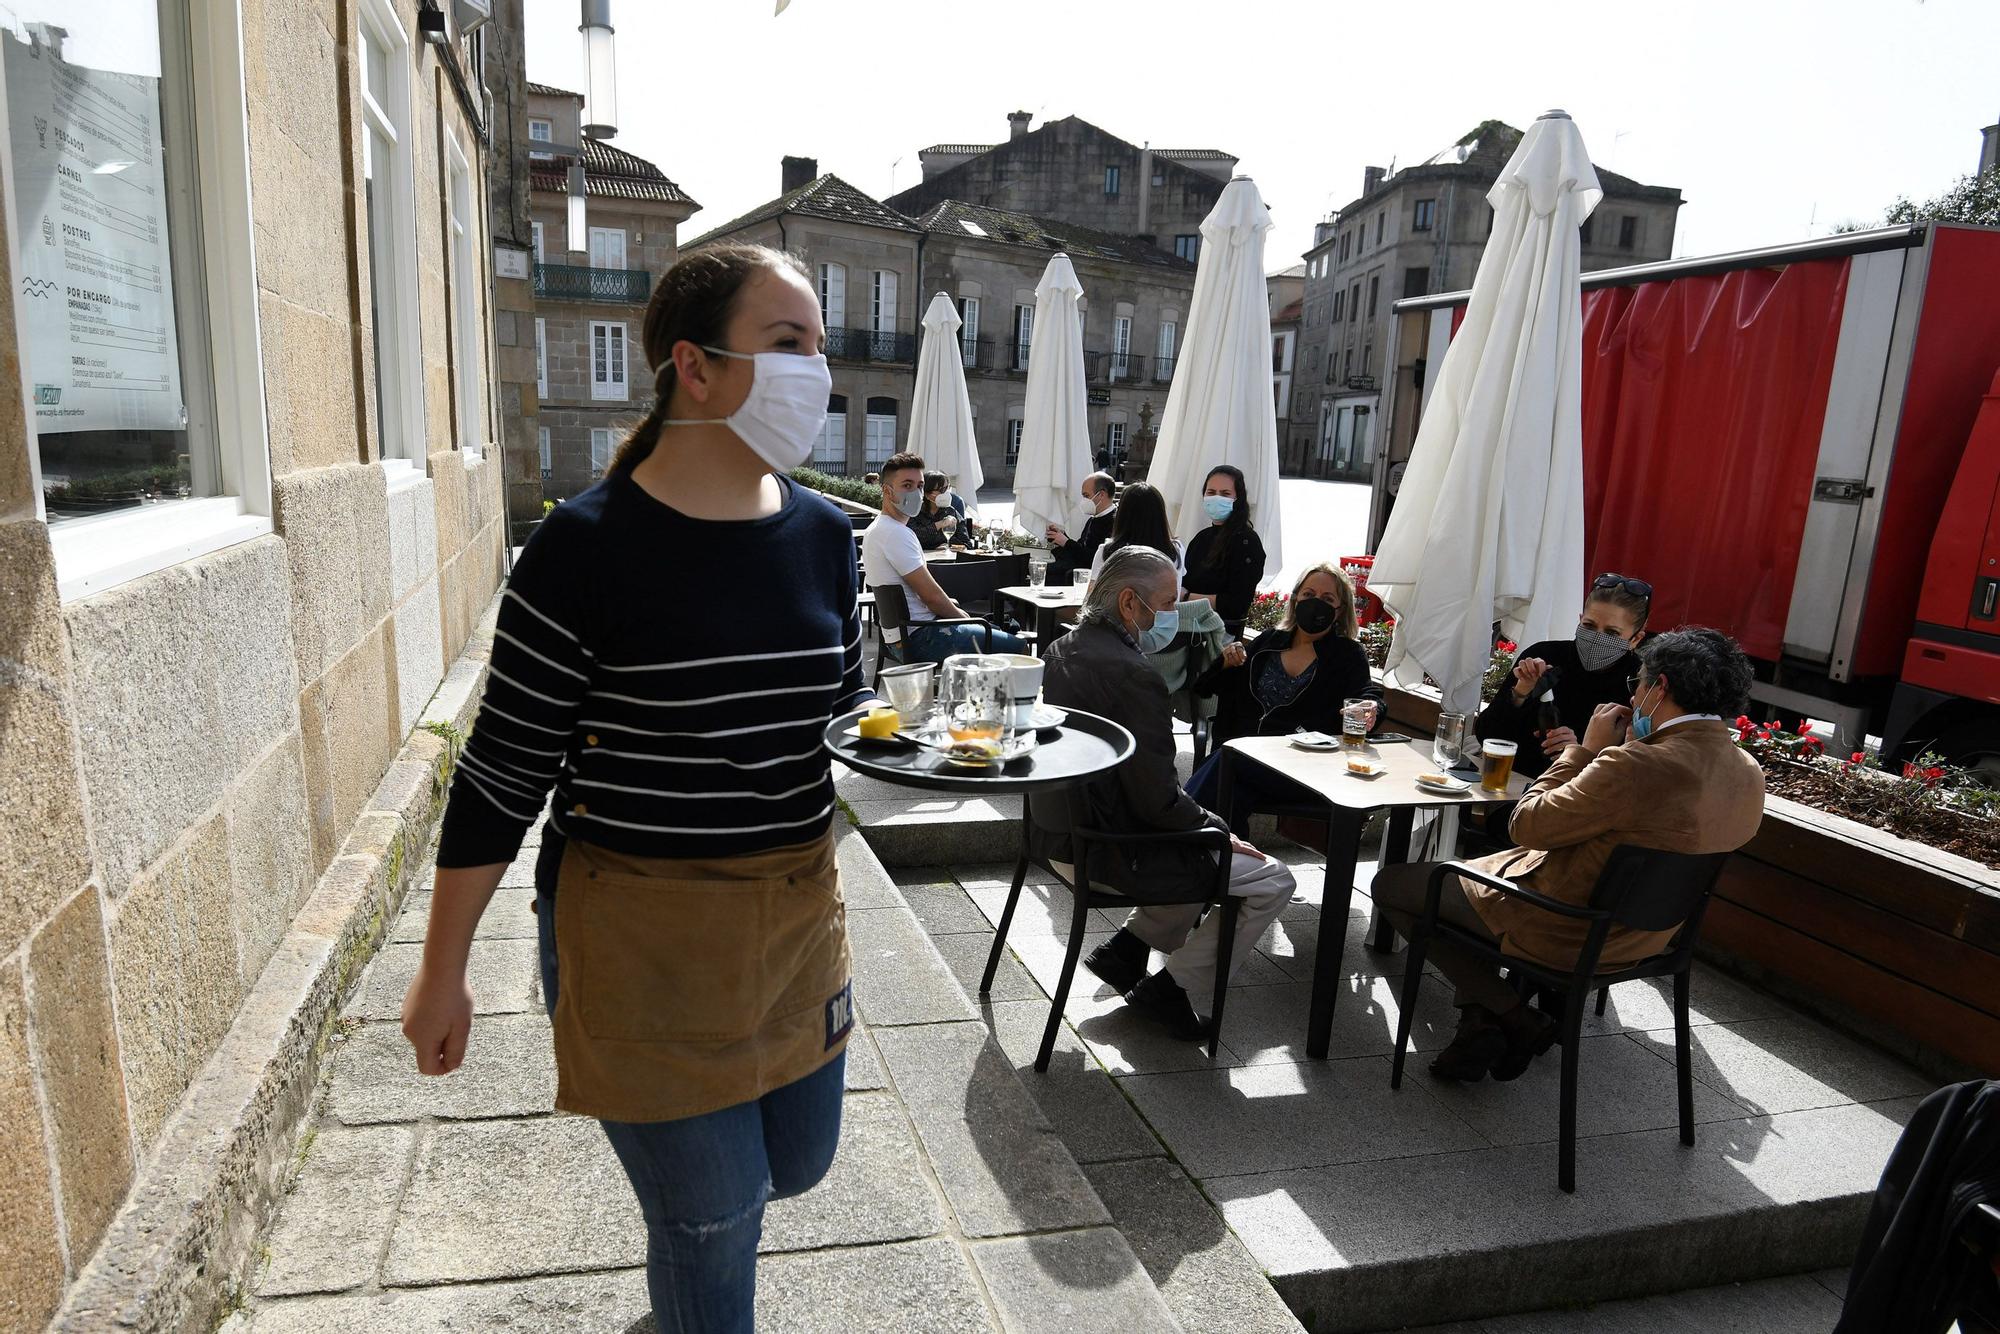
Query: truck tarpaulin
(1712, 487)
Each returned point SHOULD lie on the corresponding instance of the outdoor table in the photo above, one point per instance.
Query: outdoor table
(941, 554)
(1043, 604)
(1083, 747)
(1350, 800)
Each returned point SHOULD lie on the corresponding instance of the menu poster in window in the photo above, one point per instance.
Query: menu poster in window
(96, 288)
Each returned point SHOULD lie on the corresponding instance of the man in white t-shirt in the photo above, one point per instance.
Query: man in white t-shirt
(890, 555)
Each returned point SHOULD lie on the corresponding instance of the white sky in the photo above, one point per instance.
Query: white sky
(1776, 118)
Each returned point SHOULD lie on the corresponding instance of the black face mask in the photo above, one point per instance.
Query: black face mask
(1313, 615)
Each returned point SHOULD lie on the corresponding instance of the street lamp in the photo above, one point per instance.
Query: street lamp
(600, 88)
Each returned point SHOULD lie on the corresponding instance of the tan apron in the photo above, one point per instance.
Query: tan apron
(688, 985)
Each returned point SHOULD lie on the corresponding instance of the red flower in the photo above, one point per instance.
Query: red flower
(1813, 744)
(1909, 770)
(1805, 727)
(1506, 646)
(1743, 723)
(1932, 777)
(1859, 757)
(1763, 734)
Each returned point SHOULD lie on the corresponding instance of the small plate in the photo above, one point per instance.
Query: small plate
(1314, 741)
(1020, 745)
(1375, 769)
(1046, 717)
(1450, 788)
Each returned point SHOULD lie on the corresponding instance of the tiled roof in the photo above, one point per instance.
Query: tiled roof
(611, 173)
(1195, 154)
(956, 218)
(544, 90)
(956, 149)
(1291, 311)
(1484, 150)
(827, 197)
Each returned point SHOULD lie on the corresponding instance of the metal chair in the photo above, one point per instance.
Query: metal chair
(969, 581)
(1090, 845)
(1645, 889)
(892, 615)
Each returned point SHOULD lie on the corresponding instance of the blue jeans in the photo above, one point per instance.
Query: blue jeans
(703, 1181)
(924, 642)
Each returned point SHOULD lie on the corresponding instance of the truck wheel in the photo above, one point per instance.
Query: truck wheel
(1976, 747)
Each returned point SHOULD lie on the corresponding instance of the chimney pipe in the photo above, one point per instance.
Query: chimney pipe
(1371, 177)
(1989, 150)
(799, 171)
(1017, 123)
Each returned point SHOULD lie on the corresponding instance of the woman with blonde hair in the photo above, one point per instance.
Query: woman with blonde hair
(1291, 678)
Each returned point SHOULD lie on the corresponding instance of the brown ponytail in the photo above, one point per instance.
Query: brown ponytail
(693, 304)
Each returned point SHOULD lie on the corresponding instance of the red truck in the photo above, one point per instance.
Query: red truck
(1799, 445)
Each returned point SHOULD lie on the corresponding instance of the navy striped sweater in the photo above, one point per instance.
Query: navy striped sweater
(669, 677)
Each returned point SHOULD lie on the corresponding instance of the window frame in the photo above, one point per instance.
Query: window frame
(871, 419)
(1112, 181)
(827, 271)
(1187, 246)
(1628, 231)
(203, 42)
(611, 389)
(376, 20)
(968, 330)
(541, 356)
(610, 450)
(534, 139)
(546, 453)
(590, 244)
(537, 231)
(1121, 347)
(823, 452)
(1011, 446)
(468, 365)
(878, 281)
(1024, 335)
(1423, 215)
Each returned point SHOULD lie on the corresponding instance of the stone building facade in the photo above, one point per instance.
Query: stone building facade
(1419, 231)
(590, 292)
(1071, 171)
(877, 270)
(236, 557)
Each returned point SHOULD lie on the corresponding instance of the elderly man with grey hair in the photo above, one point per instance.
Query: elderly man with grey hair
(1098, 667)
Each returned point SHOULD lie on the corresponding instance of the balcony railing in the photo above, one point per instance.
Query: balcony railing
(868, 345)
(1163, 369)
(576, 282)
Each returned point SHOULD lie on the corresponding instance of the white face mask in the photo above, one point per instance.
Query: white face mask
(784, 411)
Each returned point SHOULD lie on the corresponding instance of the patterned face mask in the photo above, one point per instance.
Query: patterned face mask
(1598, 649)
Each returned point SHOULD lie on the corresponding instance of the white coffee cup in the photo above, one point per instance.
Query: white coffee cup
(1024, 682)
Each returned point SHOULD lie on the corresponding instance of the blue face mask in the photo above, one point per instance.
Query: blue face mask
(1218, 508)
(1166, 624)
(1642, 724)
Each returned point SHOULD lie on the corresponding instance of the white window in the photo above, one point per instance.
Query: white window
(600, 452)
(968, 330)
(833, 295)
(540, 251)
(139, 343)
(607, 247)
(883, 310)
(548, 460)
(1024, 335)
(1114, 438)
(389, 201)
(540, 131)
(1013, 441)
(468, 336)
(1163, 350)
(1121, 347)
(880, 441)
(607, 361)
(830, 450)
(541, 357)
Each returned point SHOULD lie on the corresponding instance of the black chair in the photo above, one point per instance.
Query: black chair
(968, 581)
(1645, 889)
(892, 614)
(1089, 843)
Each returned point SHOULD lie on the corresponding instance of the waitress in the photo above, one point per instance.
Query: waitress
(1581, 672)
(1225, 561)
(693, 942)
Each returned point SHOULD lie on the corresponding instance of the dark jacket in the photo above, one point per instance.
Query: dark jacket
(1911, 1274)
(1578, 693)
(1079, 551)
(924, 525)
(1233, 580)
(1098, 669)
(1340, 673)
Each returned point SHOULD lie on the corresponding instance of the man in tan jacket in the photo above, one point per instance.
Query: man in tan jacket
(1679, 782)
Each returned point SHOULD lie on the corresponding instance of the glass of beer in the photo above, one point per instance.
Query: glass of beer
(977, 698)
(1355, 715)
(1496, 764)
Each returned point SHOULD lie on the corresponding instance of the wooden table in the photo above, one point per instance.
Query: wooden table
(1349, 801)
(1043, 604)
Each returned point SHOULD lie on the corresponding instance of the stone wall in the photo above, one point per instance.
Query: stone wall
(187, 751)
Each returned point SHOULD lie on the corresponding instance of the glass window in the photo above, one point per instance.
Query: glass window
(467, 337)
(539, 132)
(1114, 438)
(1425, 215)
(1381, 222)
(968, 329)
(1628, 232)
(880, 441)
(1374, 293)
(830, 450)
(1163, 350)
(1013, 441)
(1024, 335)
(536, 229)
(607, 361)
(600, 451)
(882, 310)
(607, 247)
(541, 357)
(1188, 248)
(109, 293)
(833, 295)
(1111, 180)
(548, 462)
(1121, 346)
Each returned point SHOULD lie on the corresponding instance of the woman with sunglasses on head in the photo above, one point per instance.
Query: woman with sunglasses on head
(693, 943)
(1578, 674)
(1292, 678)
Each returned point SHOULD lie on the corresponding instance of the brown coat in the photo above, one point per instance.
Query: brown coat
(1687, 789)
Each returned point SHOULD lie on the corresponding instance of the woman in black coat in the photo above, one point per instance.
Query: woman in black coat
(1225, 561)
(1294, 678)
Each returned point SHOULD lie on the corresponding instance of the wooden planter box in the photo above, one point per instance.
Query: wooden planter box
(1897, 939)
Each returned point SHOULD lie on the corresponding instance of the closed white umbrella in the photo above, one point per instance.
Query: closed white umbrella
(1055, 433)
(940, 411)
(1488, 524)
(1220, 409)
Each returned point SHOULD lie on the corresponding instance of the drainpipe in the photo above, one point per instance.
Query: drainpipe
(1146, 188)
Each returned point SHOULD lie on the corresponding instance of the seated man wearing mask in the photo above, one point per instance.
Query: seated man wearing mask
(892, 556)
(1101, 667)
(1680, 783)
(1075, 553)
